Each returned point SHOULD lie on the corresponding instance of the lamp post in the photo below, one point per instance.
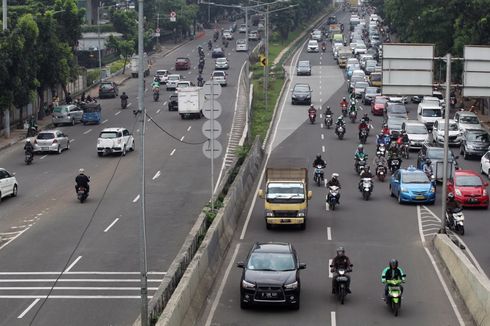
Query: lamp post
(98, 39)
(4, 15)
(6, 111)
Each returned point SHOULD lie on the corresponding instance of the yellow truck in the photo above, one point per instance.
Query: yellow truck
(344, 53)
(286, 196)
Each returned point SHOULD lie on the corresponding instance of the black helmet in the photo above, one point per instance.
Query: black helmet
(428, 161)
(340, 251)
(394, 263)
(318, 156)
(450, 196)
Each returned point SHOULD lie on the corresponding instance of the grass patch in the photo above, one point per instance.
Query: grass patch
(116, 65)
(93, 76)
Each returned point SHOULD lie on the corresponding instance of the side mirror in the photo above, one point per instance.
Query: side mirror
(310, 194)
(240, 264)
(485, 184)
(302, 266)
(261, 193)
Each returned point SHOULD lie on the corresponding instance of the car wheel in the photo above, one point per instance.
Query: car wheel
(100, 154)
(124, 151)
(132, 147)
(295, 306)
(14, 191)
(0, 197)
(55, 124)
(391, 192)
(465, 155)
(59, 150)
(399, 198)
(67, 145)
(461, 150)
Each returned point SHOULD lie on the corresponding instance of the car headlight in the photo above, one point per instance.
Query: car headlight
(403, 189)
(432, 190)
(247, 285)
(470, 146)
(293, 96)
(269, 213)
(301, 214)
(291, 286)
(458, 192)
(484, 192)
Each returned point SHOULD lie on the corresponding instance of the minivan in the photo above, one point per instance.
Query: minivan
(428, 113)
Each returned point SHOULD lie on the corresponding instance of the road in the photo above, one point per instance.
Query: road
(372, 231)
(92, 248)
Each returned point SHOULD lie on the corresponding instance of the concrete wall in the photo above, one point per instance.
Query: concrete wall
(474, 287)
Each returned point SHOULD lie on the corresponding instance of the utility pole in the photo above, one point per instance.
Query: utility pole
(158, 28)
(7, 110)
(446, 144)
(4, 14)
(98, 47)
(266, 67)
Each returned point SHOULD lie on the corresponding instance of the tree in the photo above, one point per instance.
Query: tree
(70, 20)
(124, 48)
(125, 22)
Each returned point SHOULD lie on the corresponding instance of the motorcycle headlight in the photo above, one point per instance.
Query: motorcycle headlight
(458, 192)
(291, 286)
(247, 285)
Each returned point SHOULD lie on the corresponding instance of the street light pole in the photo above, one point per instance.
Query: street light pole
(6, 111)
(266, 67)
(446, 144)
(4, 15)
(98, 47)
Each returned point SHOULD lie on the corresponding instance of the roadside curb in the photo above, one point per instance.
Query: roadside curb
(22, 137)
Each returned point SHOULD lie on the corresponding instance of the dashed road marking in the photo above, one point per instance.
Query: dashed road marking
(105, 121)
(329, 233)
(87, 131)
(189, 128)
(111, 225)
(156, 175)
(42, 157)
(73, 264)
(329, 270)
(323, 136)
(323, 148)
(28, 308)
(136, 198)
(117, 113)
(333, 318)
(172, 152)
(182, 138)
(158, 111)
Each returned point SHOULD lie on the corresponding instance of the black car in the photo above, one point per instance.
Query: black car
(301, 93)
(173, 102)
(474, 143)
(303, 68)
(270, 276)
(218, 53)
(332, 20)
(108, 89)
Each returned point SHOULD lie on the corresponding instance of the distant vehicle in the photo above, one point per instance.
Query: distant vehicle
(301, 93)
(360, 88)
(51, 141)
(467, 120)
(228, 36)
(417, 133)
(115, 141)
(316, 35)
(485, 164)
(134, 64)
(220, 77)
(242, 28)
(253, 36)
(172, 81)
(331, 20)
(474, 143)
(303, 68)
(173, 102)
(8, 184)
(313, 46)
(438, 132)
(378, 106)
(108, 89)
(162, 75)
(221, 63)
(395, 125)
(92, 113)
(396, 110)
(66, 114)
(217, 53)
(436, 155)
(189, 103)
(376, 79)
(469, 189)
(370, 94)
(412, 186)
(241, 45)
(428, 113)
(182, 64)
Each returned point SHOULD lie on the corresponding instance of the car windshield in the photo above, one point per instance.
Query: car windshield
(416, 129)
(221, 60)
(438, 153)
(469, 120)
(398, 109)
(361, 85)
(381, 100)
(285, 193)
(313, 42)
(45, 135)
(265, 261)
(431, 113)
(173, 77)
(375, 77)
(395, 124)
(360, 46)
(108, 134)
(105, 86)
(480, 137)
(161, 72)
(372, 90)
(301, 88)
(468, 181)
(181, 60)
(59, 109)
(303, 64)
(452, 126)
(240, 42)
(415, 177)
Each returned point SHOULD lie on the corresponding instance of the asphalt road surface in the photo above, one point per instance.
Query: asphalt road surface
(372, 231)
(92, 248)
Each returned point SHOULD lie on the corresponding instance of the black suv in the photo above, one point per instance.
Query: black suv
(301, 93)
(173, 102)
(108, 89)
(474, 142)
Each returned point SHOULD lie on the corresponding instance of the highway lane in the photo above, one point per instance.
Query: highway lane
(51, 220)
(372, 231)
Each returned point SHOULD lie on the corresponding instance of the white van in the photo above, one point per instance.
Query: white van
(428, 113)
(135, 66)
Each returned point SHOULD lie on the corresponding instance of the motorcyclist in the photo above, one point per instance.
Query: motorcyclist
(393, 149)
(427, 168)
(319, 161)
(359, 152)
(82, 181)
(155, 85)
(380, 160)
(199, 80)
(328, 111)
(343, 102)
(394, 156)
(363, 125)
(403, 138)
(341, 261)
(451, 206)
(392, 272)
(210, 45)
(124, 99)
(324, 46)
(28, 148)
(385, 130)
(365, 118)
(353, 107)
(312, 110)
(335, 182)
(340, 122)
(365, 173)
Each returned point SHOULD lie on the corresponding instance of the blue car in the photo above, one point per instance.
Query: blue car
(92, 113)
(412, 186)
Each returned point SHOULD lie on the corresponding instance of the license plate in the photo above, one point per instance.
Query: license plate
(473, 200)
(269, 295)
(285, 220)
(419, 197)
(45, 148)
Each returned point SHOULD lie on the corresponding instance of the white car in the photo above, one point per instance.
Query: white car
(241, 45)
(485, 164)
(162, 75)
(228, 36)
(172, 81)
(467, 120)
(360, 49)
(438, 132)
(221, 63)
(8, 184)
(115, 140)
(417, 133)
(220, 77)
(51, 141)
(242, 28)
(313, 46)
(316, 35)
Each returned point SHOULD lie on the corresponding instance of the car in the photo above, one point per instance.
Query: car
(376, 79)
(303, 68)
(220, 77)
(254, 36)
(370, 66)
(115, 140)
(363, 58)
(173, 102)
(349, 72)
(417, 133)
(92, 113)
(438, 132)
(431, 99)
(301, 93)
(241, 45)
(270, 275)
(313, 46)
(162, 75)
(8, 184)
(467, 120)
(108, 89)
(260, 27)
(316, 35)
(411, 185)
(359, 49)
(352, 82)
(221, 63)
(393, 109)
(399, 99)
(378, 105)
(351, 62)
(172, 81)
(242, 28)
(469, 189)
(184, 84)
(182, 64)
(66, 114)
(436, 155)
(416, 99)
(331, 20)
(228, 35)
(440, 97)
(485, 164)
(370, 94)
(395, 125)
(217, 53)
(51, 141)
(474, 143)
(360, 88)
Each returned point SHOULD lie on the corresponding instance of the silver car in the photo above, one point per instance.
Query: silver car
(220, 77)
(51, 141)
(221, 63)
(67, 114)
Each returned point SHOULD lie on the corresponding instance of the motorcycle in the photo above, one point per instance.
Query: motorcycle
(318, 177)
(360, 163)
(29, 156)
(381, 172)
(340, 131)
(328, 121)
(456, 223)
(312, 117)
(363, 136)
(394, 298)
(366, 188)
(341, 279)
(82, 194)
(353, 116)
(210, 45)
(382, 149)
(156, 94)
(395, 165)
(333, 197)
(404, 150)
(324, 48)
(344, 110)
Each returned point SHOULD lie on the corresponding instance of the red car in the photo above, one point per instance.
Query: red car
(469, 189)
(182, 64)
(378, 105)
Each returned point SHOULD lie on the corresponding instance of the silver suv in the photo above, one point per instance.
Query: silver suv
(66, 114)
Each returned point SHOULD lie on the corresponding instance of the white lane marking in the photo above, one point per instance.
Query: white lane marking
(443, 283)
(136, 198)
(165, 103)
(182, 138)
(14, 237)
(321, 116)
(105, 121)
(333, 318)
(28, 308)
(87, 131)
(156, 175)
(323, 148)
(158, 111)
(72, 140)
(189, 128)
(111, 225)
(222, 286)
(82, 280)
(323, 136)
(321, 125)
(78, 288)
(43, 156)
(117, 113)
(73, 264)
(329, 233)
(329, 270)
(172, 153)
(79, 273)
(72, 297)
(149, 119)
(129, 105)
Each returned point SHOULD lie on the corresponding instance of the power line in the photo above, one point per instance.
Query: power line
(174, 137)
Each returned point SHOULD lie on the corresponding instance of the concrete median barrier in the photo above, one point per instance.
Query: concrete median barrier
(473, 286)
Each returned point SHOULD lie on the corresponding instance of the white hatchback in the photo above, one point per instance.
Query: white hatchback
(8, 184)
(312, 46)
(115, 140)
(485, 164)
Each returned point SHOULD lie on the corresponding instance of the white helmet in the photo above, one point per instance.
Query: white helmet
(28, 140)
(335, 175)
(82, 170)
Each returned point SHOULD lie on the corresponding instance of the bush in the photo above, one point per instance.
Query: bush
(117, 65)
(92, 76)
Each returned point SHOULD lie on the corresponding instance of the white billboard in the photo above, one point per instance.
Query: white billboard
(408, 69)
(476, 75)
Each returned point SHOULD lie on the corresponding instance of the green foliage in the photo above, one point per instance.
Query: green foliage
(105, 28)
(125, 22)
